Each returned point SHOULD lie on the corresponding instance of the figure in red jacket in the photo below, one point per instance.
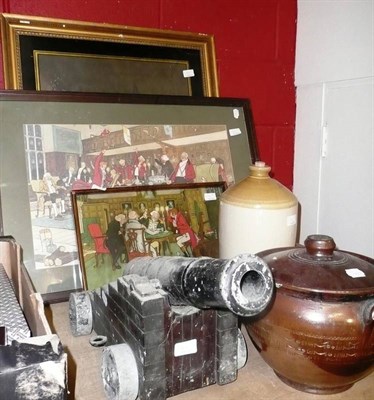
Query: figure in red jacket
(125, 171)
(99, 172)
(186, 235)
(140, 170)
(221, 168)
(184, 171)
(98, 178)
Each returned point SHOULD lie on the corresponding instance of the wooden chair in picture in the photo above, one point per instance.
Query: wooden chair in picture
(99, 241)
(202, 224)
(42, 199)
(187, 246)
(207, 247)
(136, 244)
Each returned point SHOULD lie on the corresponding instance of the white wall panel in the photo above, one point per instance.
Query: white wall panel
(335, 101)
(307, 156)
(347, 171)
(334, 40)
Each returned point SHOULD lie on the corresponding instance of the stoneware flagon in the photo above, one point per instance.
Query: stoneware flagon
(256, 214)
(318, 333)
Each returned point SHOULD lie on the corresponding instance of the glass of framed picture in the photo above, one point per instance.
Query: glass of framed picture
(64, 55)
(119, 224)
(53, 142)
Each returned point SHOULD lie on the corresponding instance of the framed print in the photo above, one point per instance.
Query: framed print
(127, 206)
(170, 203)
(54, 142)
(64, 55)
(108, 236)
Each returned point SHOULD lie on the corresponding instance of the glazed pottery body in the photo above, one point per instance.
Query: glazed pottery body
(256, 214)
(318, 334)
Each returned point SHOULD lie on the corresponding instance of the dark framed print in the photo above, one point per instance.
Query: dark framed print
(108, 237)
(126, 207)
(55, 142)
(170, 203)
(64, 55)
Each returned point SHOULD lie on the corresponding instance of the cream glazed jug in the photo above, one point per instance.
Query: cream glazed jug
(256, 214)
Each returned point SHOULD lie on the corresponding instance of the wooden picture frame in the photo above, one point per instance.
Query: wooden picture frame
(43, 132)
(109, 236)
(64, 55)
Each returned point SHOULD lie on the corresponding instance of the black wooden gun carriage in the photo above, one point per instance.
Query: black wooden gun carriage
(171, 323)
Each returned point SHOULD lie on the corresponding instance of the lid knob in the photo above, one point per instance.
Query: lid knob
(320, 246)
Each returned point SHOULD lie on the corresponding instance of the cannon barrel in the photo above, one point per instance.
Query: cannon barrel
(243, 284)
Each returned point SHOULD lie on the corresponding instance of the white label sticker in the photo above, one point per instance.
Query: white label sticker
(235, 132)
(355, 273)
(184, 348)
(210, 196)
(127, 135)
(291, 220)
(188, 73)
(235, 112)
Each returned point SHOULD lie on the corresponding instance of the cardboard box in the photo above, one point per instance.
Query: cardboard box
(30, 367)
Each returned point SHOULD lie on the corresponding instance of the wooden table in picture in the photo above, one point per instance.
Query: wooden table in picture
(164, 238)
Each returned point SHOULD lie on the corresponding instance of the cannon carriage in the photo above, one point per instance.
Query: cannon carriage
(170, 324)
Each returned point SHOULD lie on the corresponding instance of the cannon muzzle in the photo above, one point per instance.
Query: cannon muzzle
(243, 284)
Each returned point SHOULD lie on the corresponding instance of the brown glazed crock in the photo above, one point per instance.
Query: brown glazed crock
(317, 335)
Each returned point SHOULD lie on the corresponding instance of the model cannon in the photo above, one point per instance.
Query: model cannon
(242, 285)
(171, 323)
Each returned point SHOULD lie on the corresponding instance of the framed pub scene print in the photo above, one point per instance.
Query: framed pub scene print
(53, 143)
(164, 220)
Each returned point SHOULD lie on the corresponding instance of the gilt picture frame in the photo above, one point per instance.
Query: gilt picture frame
(65, 55)
(52, 132)
(109, 235)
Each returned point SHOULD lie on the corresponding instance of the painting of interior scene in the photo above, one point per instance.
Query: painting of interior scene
(61, 158)
(115, 227)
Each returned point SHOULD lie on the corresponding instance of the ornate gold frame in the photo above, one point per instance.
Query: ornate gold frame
(14, 27)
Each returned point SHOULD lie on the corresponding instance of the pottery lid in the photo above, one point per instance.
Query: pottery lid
(320, 268)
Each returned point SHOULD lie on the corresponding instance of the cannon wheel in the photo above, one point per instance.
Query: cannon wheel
(242, 350)
(80, 314)
(119, 372)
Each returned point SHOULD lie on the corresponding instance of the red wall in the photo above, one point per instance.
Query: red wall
(255, 49)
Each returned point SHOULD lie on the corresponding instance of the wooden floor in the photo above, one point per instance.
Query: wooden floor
(255, 381)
